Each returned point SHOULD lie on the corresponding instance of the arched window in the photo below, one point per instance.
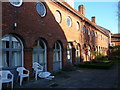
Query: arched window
(12, 51)
(78, 25)
(89, 53)
(39, 53)
(93, 33)
(77, 54)
(88, 31)
(84, 29)
(57, 56)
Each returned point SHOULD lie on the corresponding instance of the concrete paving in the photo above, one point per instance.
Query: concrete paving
(80, 78)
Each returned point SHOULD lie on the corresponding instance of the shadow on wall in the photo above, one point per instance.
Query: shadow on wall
(32, 27)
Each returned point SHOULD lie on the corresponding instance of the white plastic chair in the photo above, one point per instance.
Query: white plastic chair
(6, 76)
(39, 72)
(22, 74)
(37, 68)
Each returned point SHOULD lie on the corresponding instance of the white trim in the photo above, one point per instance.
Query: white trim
(38, 50)
(70, 21)
(58, 50)
(22, 52)
(56, 16)
(60, 55)
(22, 47)
(78, 25)
(45, 54)
(11, 2)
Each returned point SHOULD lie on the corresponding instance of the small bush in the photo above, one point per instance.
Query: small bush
(100, 64)
(99, 56)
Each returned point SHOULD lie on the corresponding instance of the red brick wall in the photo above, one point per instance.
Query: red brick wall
(31, 27)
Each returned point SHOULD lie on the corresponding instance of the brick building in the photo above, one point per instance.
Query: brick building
(50, 33)
(115, 39)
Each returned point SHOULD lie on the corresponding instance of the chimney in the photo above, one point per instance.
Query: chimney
(93, 19)
(81, 9)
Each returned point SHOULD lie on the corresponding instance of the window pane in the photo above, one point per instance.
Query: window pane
(11, 55)
(15, 43)
(35, 57)
(57, 46)
(41, 44)
(16, 59)
(41, 58)
(69, 21)
(3, 44)
(58, 16)
(4, 59)
(56, 56)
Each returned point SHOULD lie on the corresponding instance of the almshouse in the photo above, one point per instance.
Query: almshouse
(50, 33)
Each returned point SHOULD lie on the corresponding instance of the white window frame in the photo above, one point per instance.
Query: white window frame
(43, 7)
(70, 23)
(60, 18)
(11, 2)
(58, 50)
(38, 50)
(11, 50)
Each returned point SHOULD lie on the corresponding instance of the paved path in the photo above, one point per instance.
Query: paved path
(82, 78)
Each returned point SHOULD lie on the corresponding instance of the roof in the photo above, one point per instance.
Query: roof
(81, 16)
(105, 30)
(116, 35)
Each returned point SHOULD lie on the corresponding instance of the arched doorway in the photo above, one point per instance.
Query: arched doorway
(57, 56)
(39, 53)
(77, 53)
(69, 52)
(89, 53)
(12, 52)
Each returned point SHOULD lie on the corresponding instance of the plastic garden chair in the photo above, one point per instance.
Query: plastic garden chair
(37, 68)
(39, 72)
(22, 74)
(6, 77)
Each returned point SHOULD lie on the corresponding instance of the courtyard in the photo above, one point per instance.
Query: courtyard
(79, 78)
